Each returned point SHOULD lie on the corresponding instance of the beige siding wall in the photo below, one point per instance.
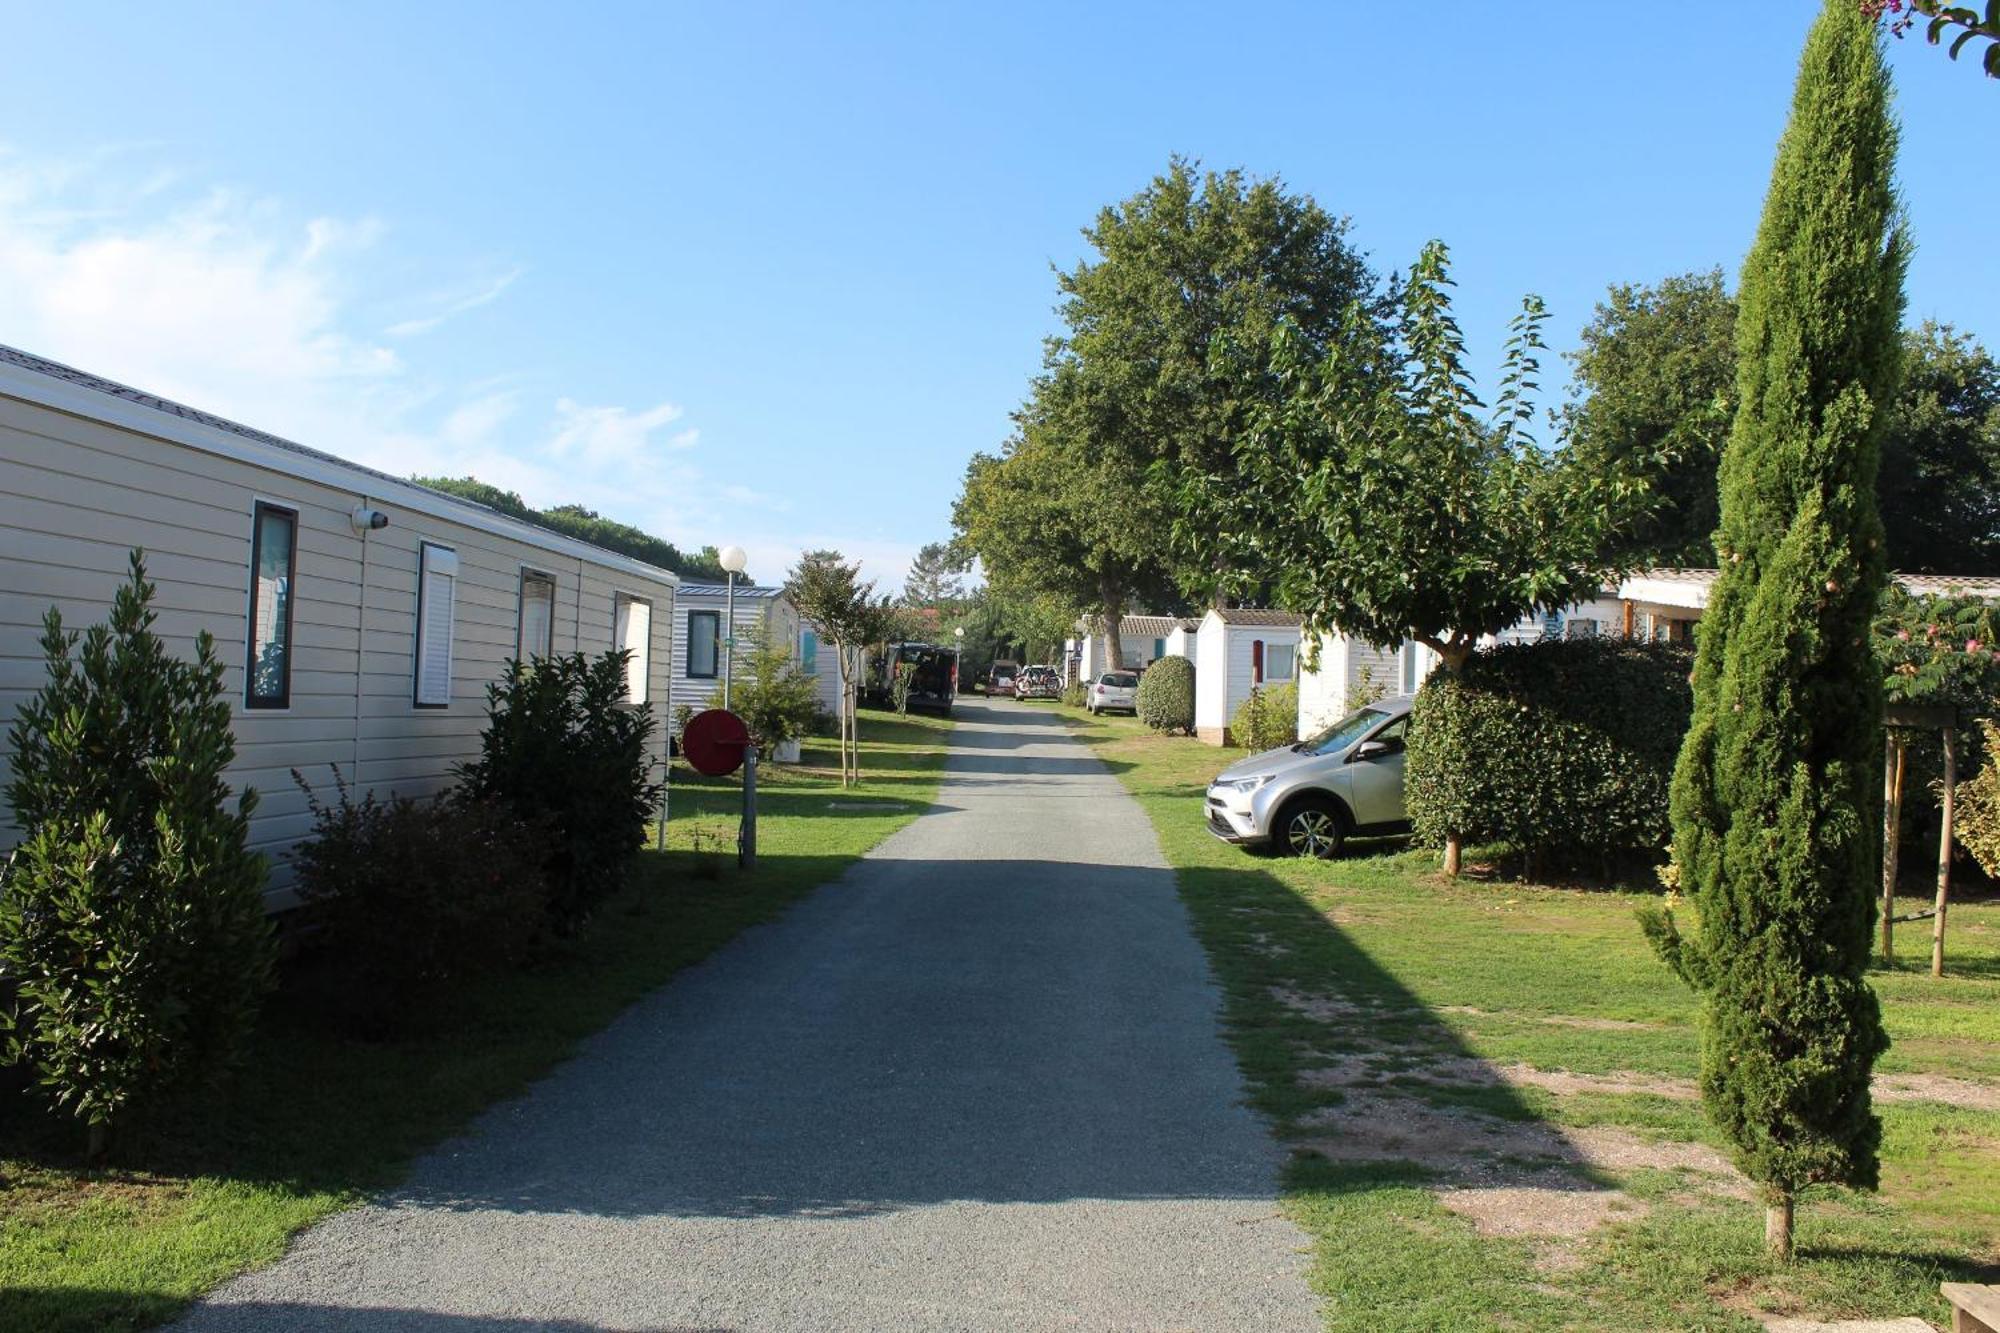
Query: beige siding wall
(77, 494)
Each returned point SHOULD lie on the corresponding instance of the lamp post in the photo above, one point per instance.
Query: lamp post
(958, 633)
(733, 560)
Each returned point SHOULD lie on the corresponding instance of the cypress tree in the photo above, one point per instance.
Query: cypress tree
(1776, 822)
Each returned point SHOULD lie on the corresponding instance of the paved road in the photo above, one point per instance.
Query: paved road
(975, 1084)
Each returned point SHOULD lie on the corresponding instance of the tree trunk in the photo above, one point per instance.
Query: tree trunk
(1451, 856)
(1892, 838)
(1946, 818)
(1778, 1228)
(97, 1139)
(1452, 654)
(1111, 608)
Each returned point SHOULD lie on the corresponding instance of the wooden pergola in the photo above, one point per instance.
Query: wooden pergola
(1900, 719)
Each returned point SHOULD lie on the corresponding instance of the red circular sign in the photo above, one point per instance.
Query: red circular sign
(713, 742)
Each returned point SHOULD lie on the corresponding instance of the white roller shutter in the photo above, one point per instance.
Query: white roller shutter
(634, 633)
(436, 607)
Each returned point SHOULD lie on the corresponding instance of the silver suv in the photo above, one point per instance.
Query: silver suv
(1309, 798)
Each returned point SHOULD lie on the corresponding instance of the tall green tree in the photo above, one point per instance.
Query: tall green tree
(936, 578)
(1060, 516)
(1775, 812)
(1394, 506)
(586, 525)
(1194, 263)
(1654, 390)
(1940, 482)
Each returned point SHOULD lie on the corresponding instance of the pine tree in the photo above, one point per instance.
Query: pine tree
(1774, 797)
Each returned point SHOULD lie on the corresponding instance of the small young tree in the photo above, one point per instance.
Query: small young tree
(132, 916)
(1776, 820)
(831, 594)
(1391, 508)
(564, 752)
(776, 699)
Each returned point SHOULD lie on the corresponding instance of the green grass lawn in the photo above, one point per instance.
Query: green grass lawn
(1488, 1087)
(315, 1122)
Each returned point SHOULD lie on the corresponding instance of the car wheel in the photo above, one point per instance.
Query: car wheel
(1311, 826)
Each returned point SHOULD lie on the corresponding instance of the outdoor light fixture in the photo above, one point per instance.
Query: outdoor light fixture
(732, 560)
(365, 519)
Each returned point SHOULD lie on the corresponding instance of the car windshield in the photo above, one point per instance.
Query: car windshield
(1120, 680)
(1344, 732)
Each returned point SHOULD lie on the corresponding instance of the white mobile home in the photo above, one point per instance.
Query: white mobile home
(1236, 651)
(1142, 641)
(360, 616)
(1351, 670)
(760, 612)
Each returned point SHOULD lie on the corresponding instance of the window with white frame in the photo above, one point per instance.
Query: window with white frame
(437, 608)
(632, 632)
(1579, 628)
(1278, 660)
(267, 675)
(536, 635)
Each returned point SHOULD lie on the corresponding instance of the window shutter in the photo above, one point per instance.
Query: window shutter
(437, 597)
(538, 617)
(635, 634)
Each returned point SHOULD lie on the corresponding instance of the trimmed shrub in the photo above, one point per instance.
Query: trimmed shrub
(1268, 719)
(1166, 696)
(1552, 746)
(132, 915)
(564, 753)
(402, 897)
(1075, 696)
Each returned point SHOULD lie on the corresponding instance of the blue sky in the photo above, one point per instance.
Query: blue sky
(771, 274)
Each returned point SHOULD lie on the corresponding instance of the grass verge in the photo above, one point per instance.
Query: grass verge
(1488, 1087)
(315, 1122)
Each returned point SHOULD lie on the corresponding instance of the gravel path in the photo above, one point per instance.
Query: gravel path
(975, 1084)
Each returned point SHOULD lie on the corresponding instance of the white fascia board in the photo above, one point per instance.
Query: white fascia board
(1684, 593)
(95, 405)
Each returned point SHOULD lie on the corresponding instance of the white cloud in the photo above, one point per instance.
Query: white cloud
(246, 307)
(450, 306)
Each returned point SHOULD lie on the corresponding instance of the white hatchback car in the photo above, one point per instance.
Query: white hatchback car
(1113, 689)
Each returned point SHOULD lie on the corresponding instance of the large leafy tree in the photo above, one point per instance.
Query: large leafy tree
(586, 525)
(1940, 482)
(1058, 517)
(1394, 506)
(1776, 821)
(1192, 264)
(1653, 389)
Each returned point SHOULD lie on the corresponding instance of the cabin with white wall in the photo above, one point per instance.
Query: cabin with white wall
(1351, 671)
(359, 616)
(1142, 640)
(759, 612)
(1237, 650)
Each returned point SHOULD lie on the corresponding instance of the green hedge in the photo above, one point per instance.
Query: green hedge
(1166, 696)
(1565, 746)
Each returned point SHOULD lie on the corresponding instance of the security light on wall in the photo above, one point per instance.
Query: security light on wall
(365, 519)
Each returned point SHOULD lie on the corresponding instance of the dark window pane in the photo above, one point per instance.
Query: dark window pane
(270, 666)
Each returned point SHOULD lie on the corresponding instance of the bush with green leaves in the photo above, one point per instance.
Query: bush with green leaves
(564, 752)
(1166, 696)
(402, 898)
(1977, 821)
(777, 701)
(1268, 719)
(1075, 696)
(1564, 747)
(131, 916)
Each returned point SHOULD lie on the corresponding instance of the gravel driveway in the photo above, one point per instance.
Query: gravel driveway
(975, 1084)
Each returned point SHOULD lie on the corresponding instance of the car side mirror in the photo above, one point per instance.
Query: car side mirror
(1370, 750)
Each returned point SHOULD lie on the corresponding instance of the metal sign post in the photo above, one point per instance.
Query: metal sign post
(746, 839)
